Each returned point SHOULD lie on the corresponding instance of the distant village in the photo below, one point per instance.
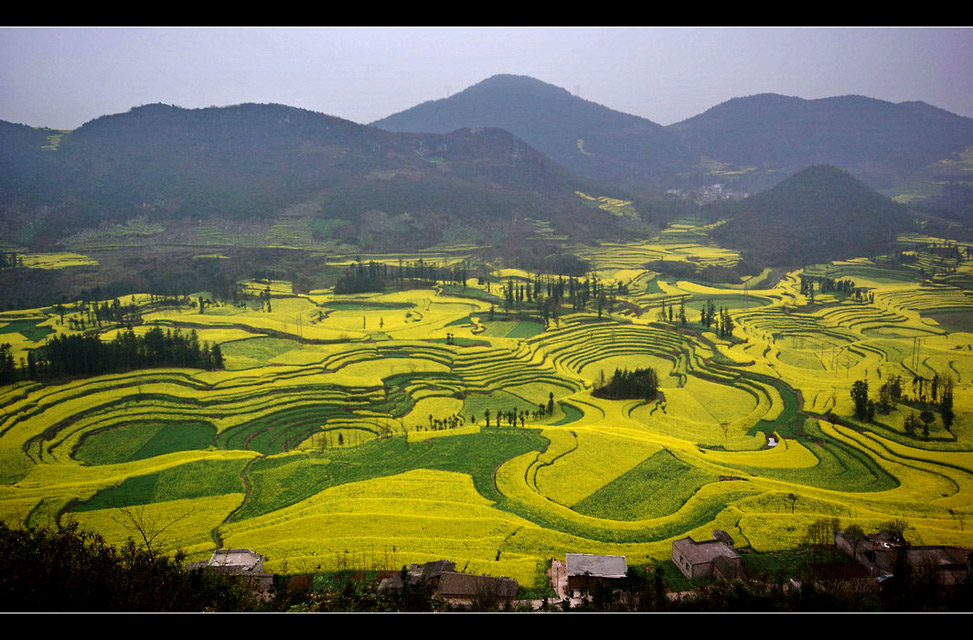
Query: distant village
(708, 194)
(877, 559)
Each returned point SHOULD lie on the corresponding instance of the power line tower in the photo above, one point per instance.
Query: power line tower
(916, 347)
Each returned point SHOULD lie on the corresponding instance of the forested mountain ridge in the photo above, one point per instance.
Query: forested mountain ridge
(586, 137)
(879, 142)
(472, 169)
(252, 161)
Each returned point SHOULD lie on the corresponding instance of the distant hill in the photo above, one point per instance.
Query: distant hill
(750, 143)
(817, 215)
(586, 137)
(252, 162)
(879, 142)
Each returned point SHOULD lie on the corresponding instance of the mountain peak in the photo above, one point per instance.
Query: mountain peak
(819, 214)
(512, 81)
(581, 135)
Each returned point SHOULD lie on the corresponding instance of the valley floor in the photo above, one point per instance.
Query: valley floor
(370, 431)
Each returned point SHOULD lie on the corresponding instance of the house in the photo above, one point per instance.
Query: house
(429, 572)
(458, 589)
(715, 557)
(236, 561)
(881, 554)
(464, 589)
(584, 570)
(877, 552)
(243, 565)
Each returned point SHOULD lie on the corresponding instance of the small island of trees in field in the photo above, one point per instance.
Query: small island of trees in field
(628, 385)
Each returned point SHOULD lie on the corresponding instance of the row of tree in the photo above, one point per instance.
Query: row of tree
(580, 294)
(826, 284)
(374, 276)
(80, 355)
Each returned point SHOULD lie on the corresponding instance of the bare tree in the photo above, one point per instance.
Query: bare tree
(147, 530)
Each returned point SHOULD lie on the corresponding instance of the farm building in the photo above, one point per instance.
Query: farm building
(461, 589)
(466, 589)
(430, 572)
(242, 564)
(586, 570)
(880, 552)
(241, 561)
(715, 557)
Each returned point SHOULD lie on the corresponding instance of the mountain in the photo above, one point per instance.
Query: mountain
(879, 142)
(817, 215)
(585, 137)
(253, 162)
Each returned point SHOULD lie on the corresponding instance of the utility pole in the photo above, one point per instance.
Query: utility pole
(916, 348)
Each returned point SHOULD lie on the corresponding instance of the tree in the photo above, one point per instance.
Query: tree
(855, 535)
(946, 401)
(148, 529)
(885, 401)
(912, 423)
(216, 354)
(821, 533)
(859, 395)
(927, 418)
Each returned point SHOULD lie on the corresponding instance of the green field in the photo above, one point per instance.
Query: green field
(360, 431)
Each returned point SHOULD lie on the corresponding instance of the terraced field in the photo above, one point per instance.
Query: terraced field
(373, 430)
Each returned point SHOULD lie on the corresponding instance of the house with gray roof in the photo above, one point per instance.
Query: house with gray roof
(586, 570)
(715, 557)
(243, 565)
(458, 589)
(465, 589)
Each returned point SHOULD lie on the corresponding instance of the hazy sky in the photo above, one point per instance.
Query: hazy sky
(63, 77)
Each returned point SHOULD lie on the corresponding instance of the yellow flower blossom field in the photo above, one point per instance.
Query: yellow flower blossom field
(470, 423)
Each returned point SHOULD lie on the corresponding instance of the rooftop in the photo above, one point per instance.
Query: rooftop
(597, 566)
(705, 551)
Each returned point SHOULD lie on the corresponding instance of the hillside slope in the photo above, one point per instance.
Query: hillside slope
(251, 162)
(879, 142)
(818, 215)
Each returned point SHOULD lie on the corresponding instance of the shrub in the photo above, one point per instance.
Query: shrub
(68, 569)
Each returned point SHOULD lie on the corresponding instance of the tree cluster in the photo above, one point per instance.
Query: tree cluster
(625, 384)
(9, 260)
(373, 277)
(827, 284)
(937, 391)
(708, 317)
(80, 355)
(864, 407)
(548, 294)
(68, 569)
(889, 394)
